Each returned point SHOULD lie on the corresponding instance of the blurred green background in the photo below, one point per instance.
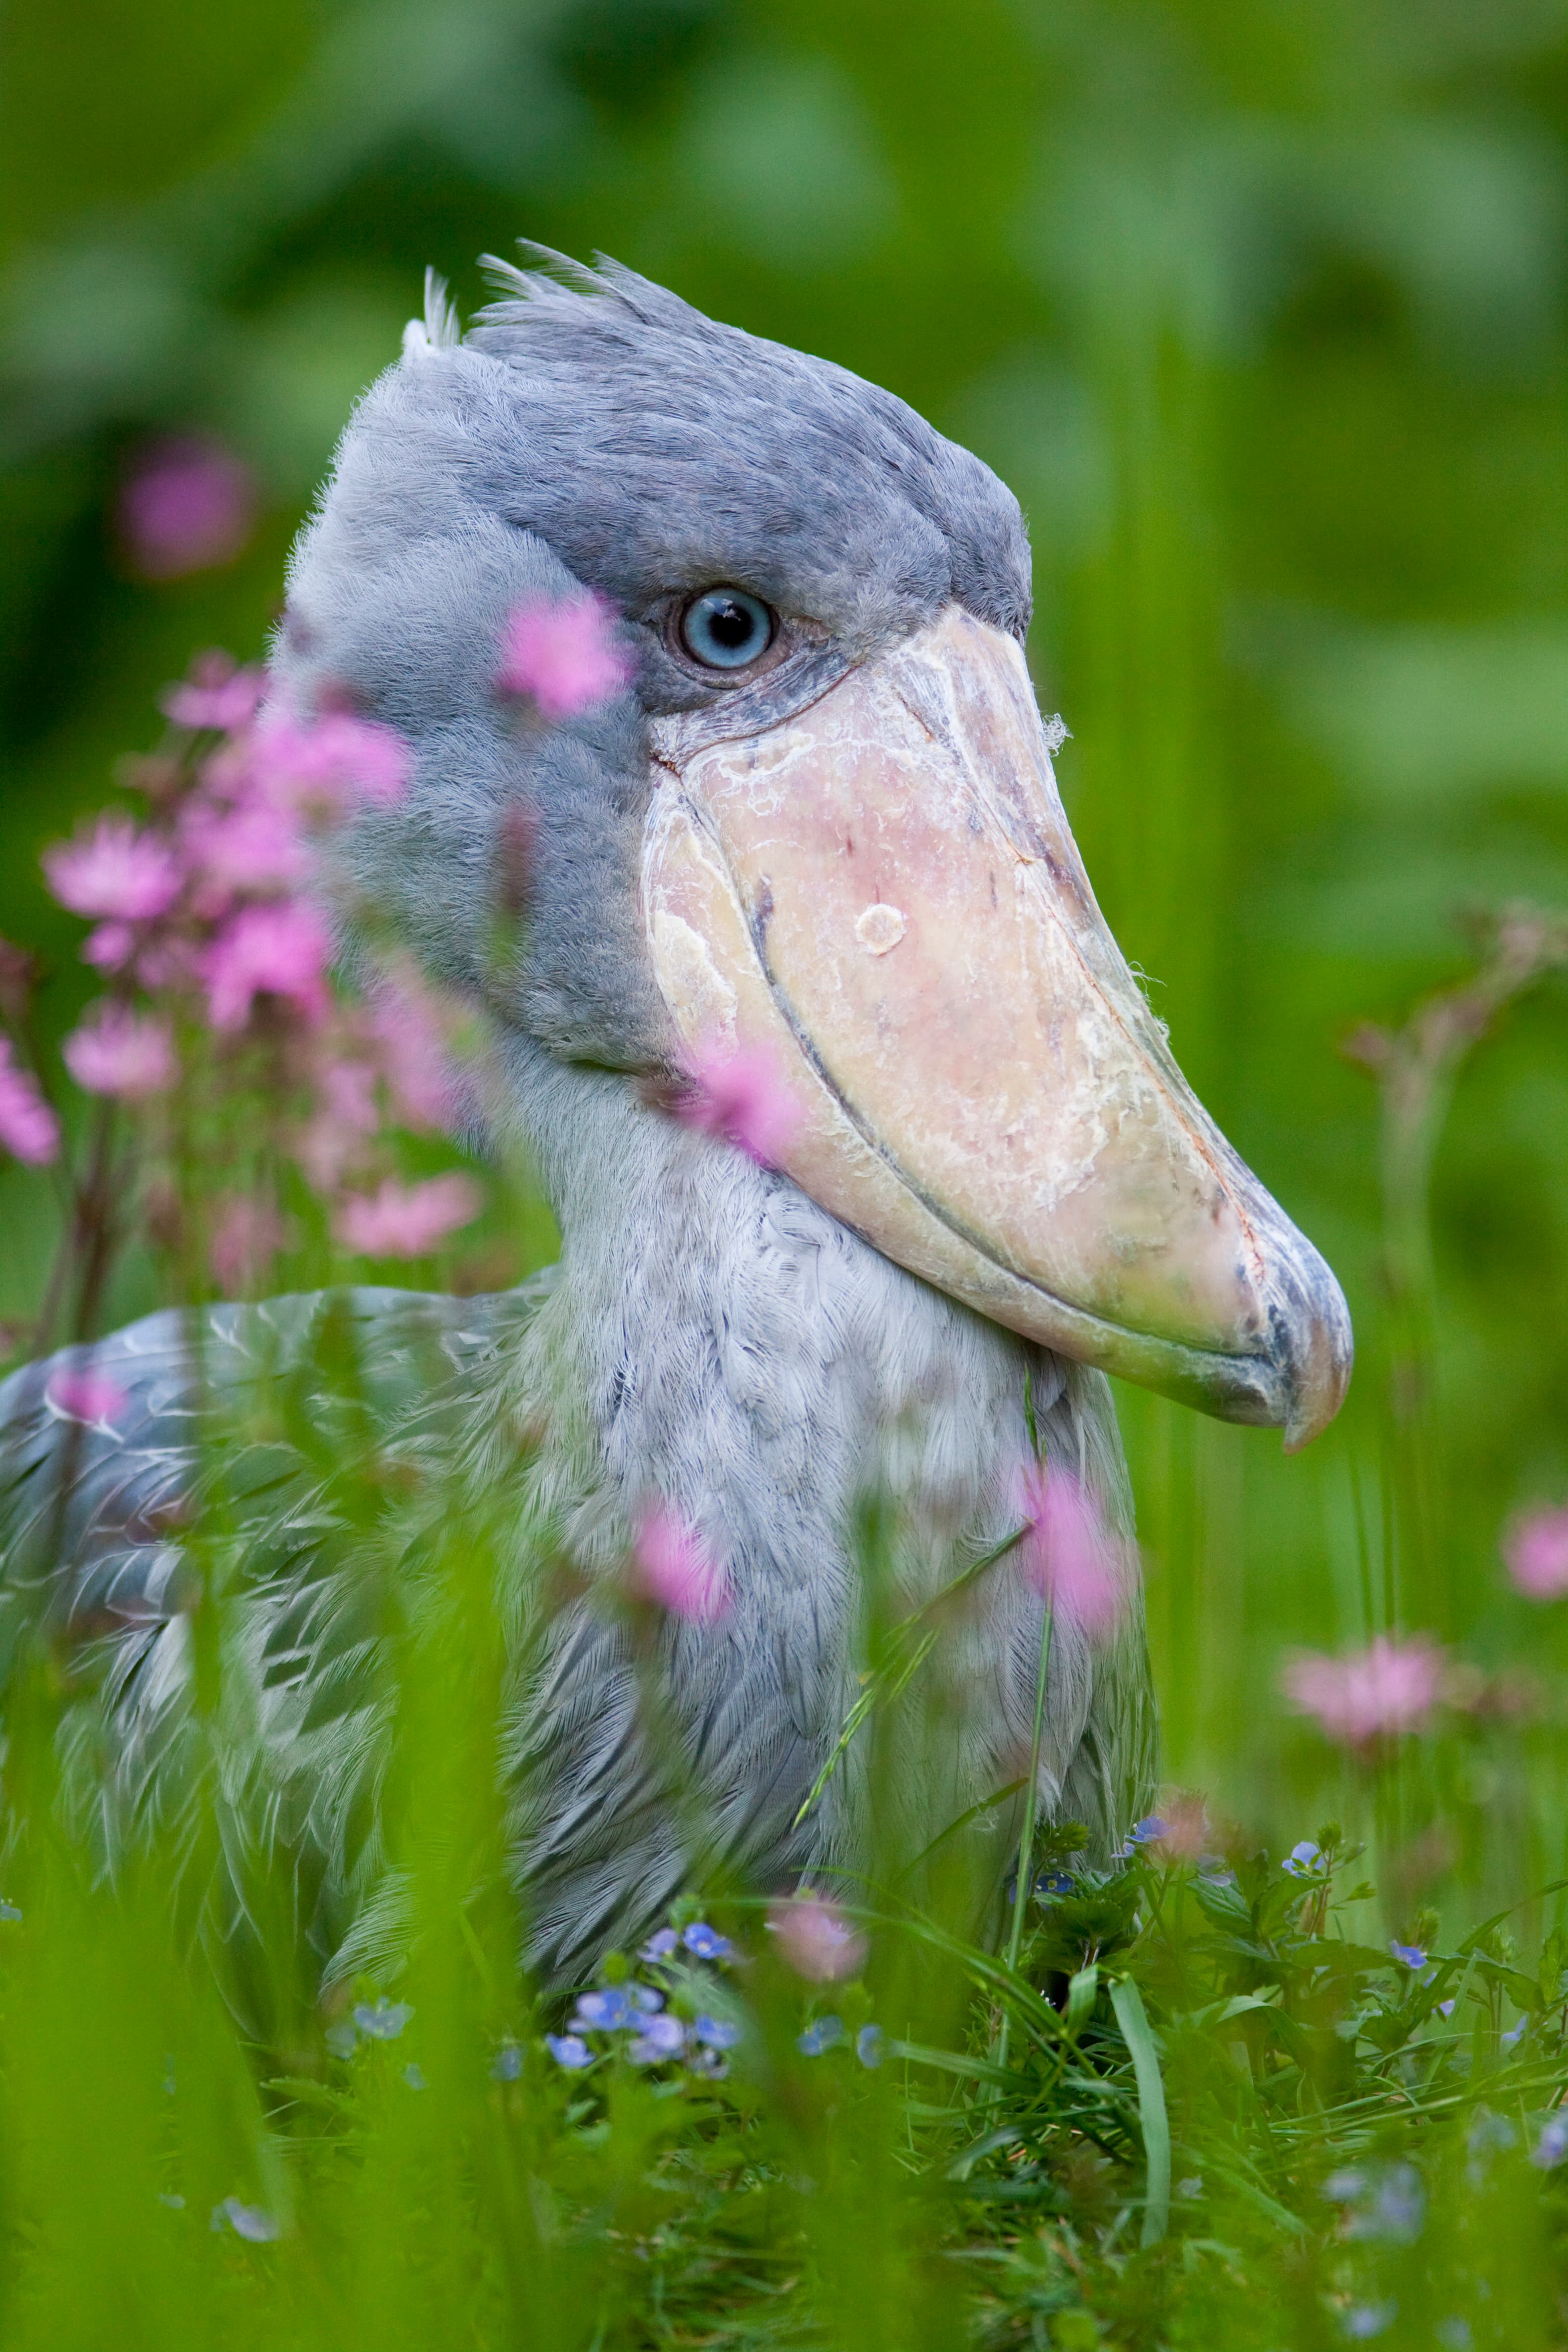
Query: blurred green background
(1259, 306)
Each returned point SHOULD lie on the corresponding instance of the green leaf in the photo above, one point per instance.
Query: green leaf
(1128, 2003)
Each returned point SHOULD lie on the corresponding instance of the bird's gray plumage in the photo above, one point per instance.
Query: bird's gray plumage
(712, 1337)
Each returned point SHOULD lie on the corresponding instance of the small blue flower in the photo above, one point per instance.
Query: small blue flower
(8, 1910)
(342, 2039)
(1515, 2034)
(1217, 1870)
(1364, 2320)
(609, 2012)
(868, 2045)
(1447, 2008)
(1342, 2187)
(664, 2037)
(1552, 2146)
(506, 2066)
(382, 2020)
(1303, 1860)
(716, 2033)
(413, 2075)
(568, 2049)
(1395, 2210)
(819, 2035)
(1409, 1956)
(706, 1943)
(1054, 1882)
(660, 1944)
(247, 2222)
(1145, 1831)
(1488, 2132)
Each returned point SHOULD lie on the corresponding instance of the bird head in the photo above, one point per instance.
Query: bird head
(816, 821)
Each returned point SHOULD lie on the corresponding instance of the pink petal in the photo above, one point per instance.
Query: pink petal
(1069, 1555)
(1535, 1553)
(118, 1052)
(86, 1395)
(562, 654)
(1378, 1693)
(115, 871)
(673, 1566)
(248, 1235)
(327, 767)
(413, 1053)
(818, 1941)
(407, 1220)
(269, 950)
(739, 1096)
(29, 1130)
(187, 506)
(216, 695)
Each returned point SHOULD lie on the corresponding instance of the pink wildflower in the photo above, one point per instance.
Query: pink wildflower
(247, 1236)
(672, 1565)
(1535, 1553)
(1376, 1694)
(29, 1130)
(1069, 1555)
(86, 1395)
(816, 1937)
(109, 947)
(406, 1220)
(188, 506)
(216, 696)
(345, 1113)
(270, 951)
(250, 849)
(740, 1097)
(562, 654)
(1184, 1832)
(114, 870)
(414, 1056)
(326, 767)
(118, 1052)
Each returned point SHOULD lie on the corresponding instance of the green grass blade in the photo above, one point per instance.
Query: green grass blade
(1128, 2003)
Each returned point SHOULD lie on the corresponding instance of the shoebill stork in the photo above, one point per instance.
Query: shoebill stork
(820, 821)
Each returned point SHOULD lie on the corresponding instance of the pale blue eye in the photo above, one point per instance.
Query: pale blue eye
(724, 628)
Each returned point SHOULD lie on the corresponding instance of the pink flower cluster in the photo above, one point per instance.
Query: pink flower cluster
(1071, 1557)
(219, 958)
(1535, 1553)
(562, 654)
(1374, 1694)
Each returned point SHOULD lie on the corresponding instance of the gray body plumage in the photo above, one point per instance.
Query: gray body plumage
(712, 1335)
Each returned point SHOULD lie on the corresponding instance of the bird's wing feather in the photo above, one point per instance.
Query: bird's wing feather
(264, 1452)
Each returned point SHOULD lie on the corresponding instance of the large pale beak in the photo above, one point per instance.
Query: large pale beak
(883, 892)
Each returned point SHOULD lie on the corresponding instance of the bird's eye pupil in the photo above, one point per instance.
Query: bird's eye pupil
(731, 623)
(725, 628)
